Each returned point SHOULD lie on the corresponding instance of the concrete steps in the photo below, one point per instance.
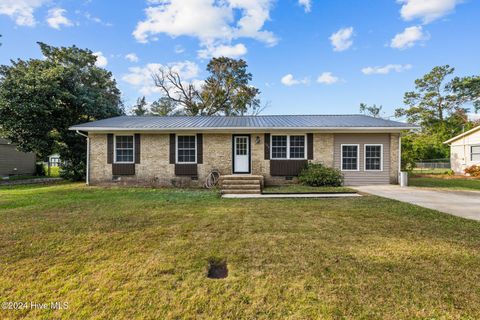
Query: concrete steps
(241, 184)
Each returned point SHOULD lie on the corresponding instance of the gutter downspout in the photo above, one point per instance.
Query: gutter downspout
(87, 178)
(399, 156)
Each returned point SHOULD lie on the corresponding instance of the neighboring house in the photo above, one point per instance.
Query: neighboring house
(180, 149)
(54, 160)
(13, 162)
(465, 150)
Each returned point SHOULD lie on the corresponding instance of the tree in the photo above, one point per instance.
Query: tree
(41, 98)
(373, 110)
(226, 90)
(438, 106)
(164, 107)
(433, 99)
(140, 109)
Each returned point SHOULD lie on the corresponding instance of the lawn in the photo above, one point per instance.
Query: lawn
(113, 253)
(454, 183)
(298, 188)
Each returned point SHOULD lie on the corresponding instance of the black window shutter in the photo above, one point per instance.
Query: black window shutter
(200, 148)
(267, 146)
(110, 148)
(172, 148)
(310, 146)
(137, 148)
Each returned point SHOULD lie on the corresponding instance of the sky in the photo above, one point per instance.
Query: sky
(306, 56)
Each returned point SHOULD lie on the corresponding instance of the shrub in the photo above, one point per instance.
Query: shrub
(40, 170)
(474, 171)
(317, 175)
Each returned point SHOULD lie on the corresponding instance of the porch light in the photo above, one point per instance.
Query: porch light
(257, 139)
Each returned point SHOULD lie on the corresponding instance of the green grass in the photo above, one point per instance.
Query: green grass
(431, 171)
(453, 183)
(131, 253)
(298, 188)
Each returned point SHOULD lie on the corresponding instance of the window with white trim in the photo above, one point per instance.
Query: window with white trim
(186, 149)
(350, 157)
(373, 157)
(297, 147)
(475, 153)
(124, 149)
(287, 147)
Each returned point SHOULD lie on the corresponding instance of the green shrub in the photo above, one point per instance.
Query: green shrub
(40, 170)
(317, 175)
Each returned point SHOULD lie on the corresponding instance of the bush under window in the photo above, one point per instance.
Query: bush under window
(317, 175)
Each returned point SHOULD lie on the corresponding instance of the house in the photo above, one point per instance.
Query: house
(465, 150)
(54, 160)
(183, 150)
(14, 162)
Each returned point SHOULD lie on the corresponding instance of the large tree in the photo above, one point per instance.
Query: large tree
(140, 109)
(226, 91)
(439, 106)
(41, 98)
(373, 110)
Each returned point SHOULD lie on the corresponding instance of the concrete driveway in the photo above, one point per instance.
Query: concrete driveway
(464, 204)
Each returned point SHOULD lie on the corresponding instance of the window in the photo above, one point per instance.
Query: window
(373, 157)
(124, 149)
(475, 153)
(186, 149)
(297, 147)
(288, 147)
(350, 157)
(279, 147)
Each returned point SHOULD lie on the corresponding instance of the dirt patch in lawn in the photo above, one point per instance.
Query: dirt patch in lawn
(217, 268)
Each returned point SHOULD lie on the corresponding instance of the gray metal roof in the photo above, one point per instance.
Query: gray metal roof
(153, 123)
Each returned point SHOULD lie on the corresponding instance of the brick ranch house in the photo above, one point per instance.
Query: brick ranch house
(182, 150)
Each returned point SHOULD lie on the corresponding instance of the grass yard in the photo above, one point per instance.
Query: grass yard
(114, 253)
(298, 188)
(454, 183)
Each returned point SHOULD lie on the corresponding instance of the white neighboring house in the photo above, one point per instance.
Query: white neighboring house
(465, 150)
(54, 160)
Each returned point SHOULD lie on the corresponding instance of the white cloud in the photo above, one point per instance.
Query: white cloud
(342, 39)
(386, 69)
(132, 57)
(289, 80)
(235, 51)
(101, 59)
(21, 10)
(306, 4)
(141, 77)
(214, 23)
(427, 10)
(92, 18)
(408, 37)
(56, 18)
(327, 78)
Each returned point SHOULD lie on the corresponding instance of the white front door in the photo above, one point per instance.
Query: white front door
(241, 154)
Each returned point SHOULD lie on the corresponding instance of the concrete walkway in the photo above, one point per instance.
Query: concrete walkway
(290, 195)
(464, 204)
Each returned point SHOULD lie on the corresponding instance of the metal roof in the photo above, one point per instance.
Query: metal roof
(154, 123)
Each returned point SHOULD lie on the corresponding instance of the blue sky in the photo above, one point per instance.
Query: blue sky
(306, 56)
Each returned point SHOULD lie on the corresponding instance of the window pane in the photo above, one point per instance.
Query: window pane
(475, 153)
(373, 157)
(349, 157)
(124, 148)
(297, 147)
(279, 147)
(186, 149)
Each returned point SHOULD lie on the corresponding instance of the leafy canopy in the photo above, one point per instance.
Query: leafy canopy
(41, 98)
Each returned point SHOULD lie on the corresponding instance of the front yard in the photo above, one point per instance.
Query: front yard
(445, 182)
(143, 253)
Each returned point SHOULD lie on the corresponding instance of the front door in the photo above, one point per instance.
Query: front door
(241, 154)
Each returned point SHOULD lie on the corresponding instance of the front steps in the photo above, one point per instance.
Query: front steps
(241, 184)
